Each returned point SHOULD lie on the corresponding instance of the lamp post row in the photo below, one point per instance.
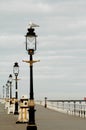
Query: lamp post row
(31, 46)
(9, 87)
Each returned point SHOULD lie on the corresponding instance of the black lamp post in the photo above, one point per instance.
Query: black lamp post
(3, 91)
(10, 82)
(7, 90)
(16, 72)
(30, 48)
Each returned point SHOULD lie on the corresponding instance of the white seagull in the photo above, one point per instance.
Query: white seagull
(33, 25)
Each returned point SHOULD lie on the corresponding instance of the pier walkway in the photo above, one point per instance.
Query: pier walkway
(46, 119)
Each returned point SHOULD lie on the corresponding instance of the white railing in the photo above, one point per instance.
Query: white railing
(71, 107)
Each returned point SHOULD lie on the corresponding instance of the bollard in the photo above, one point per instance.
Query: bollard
(23, 111)
(11, 106)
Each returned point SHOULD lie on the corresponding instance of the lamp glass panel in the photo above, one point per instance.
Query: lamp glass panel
(30, 43)
(31, 38)
(16, 70)
(10, 79)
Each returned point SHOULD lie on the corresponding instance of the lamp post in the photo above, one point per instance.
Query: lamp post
(10, 83)
(7, 90)
(16, 72)
(8, 103)
(3, 91)
(30, 48)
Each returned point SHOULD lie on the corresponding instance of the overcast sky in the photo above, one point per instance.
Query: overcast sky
(61, 46)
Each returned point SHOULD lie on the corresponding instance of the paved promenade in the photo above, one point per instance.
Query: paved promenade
(8, 122)
(53, 120)
(45, 119)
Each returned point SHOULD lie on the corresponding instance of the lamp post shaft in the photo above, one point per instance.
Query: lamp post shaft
(31, 123)
(10, 90)
(3, 91)
(16, 96)
(31, 79)
(16, 93)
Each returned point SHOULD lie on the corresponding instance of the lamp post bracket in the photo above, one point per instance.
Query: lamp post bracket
(31, 62)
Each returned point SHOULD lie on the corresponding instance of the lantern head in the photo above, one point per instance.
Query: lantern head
(31, 41)
(16, 69)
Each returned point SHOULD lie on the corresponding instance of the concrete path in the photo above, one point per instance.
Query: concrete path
(45, 119)
(8, 122)
(53, 120)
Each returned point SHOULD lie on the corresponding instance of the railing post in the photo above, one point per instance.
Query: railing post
(45, 102)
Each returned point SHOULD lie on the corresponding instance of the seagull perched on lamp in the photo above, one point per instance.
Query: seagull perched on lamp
(33, 25)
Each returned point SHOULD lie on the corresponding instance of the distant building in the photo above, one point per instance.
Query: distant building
(84, 98)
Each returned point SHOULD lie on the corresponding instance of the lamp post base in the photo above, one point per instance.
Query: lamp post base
(16, 113)
(31, 127)
(16, 109)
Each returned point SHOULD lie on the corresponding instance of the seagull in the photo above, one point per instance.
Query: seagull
(33, 25)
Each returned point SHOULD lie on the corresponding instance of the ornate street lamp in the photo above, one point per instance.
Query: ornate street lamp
(10, 84)
(16, 72)
(3, 91)
(30, 48)
(7, 90)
